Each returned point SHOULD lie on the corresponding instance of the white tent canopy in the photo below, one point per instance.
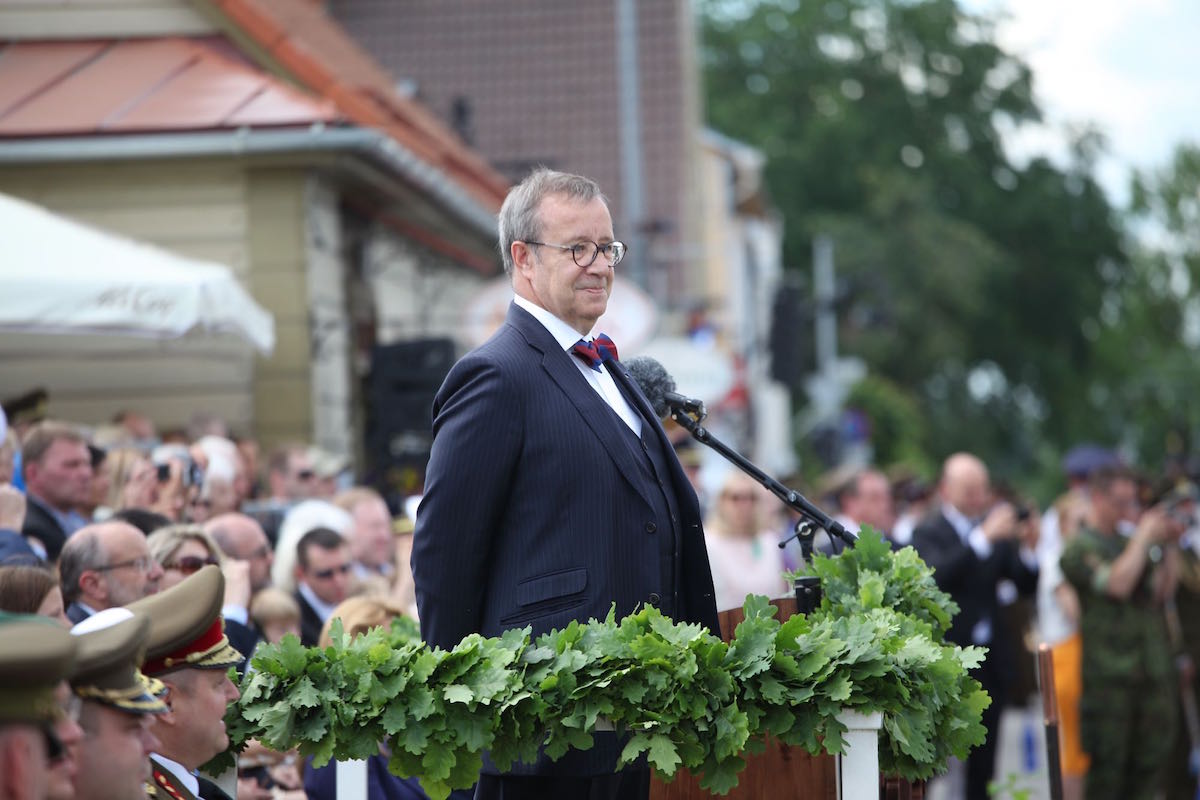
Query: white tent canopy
(58, 276)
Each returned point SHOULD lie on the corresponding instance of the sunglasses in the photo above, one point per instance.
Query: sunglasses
(326, 574)
(190, 564)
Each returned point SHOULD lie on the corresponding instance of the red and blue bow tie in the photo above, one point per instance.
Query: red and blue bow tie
(596, 352)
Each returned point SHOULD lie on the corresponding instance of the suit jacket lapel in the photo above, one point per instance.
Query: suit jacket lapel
(596, 414)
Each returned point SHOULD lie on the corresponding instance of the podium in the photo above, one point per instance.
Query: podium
(781, 771)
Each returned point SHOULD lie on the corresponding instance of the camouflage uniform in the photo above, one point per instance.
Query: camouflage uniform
(1128, 709)
(1181, 779)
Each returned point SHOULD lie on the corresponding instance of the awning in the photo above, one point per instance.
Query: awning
(58, 276)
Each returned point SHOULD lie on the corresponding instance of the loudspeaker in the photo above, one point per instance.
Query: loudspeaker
(401, 385)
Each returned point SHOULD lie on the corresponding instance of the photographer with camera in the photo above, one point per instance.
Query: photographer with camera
(973, 544)
(1128, 707)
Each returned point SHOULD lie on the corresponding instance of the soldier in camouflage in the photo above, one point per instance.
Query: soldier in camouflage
(1128, 709)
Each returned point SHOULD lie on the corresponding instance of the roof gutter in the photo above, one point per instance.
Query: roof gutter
(365, 142)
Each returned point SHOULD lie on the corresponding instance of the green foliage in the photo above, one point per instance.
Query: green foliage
(898, 434)
(972, 282)
(681, 696)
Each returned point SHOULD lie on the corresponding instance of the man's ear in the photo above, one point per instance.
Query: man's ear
(522, 257)
(92, 584)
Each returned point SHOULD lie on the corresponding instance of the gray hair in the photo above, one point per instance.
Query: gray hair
(519, 218)
(81, 552)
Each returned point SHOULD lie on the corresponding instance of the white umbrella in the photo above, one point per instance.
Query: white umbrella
(58, 276)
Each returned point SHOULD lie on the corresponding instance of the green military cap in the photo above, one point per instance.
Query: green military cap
(112, 644)
(185, 625)
(36, 655)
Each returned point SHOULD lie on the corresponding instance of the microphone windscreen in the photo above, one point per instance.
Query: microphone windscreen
(654, 381)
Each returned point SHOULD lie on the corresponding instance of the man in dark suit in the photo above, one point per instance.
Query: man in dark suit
(323, 572)
(552, 491)
(973, 544)
(58, 480)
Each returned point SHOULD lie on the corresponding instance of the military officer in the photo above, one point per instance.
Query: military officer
(35, 657)
(1127, 711)
(119, 706)
(189, 652)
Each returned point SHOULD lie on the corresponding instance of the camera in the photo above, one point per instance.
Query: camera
(192, 474)
(1023, 513)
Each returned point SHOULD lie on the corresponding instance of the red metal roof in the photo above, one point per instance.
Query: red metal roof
(150, 85)
(312, 47)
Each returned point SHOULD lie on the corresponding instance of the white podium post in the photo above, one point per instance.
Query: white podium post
(858, 767)
(351, 780)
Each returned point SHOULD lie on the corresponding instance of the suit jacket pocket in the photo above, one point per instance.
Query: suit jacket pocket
(546, 594)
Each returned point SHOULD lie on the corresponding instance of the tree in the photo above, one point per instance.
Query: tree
(883, 123)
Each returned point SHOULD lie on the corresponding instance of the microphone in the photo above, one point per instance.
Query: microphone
(659, 387)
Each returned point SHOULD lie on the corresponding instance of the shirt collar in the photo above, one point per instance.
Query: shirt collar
(323, 609)
(181, 772)
(564, 334)
(961, 522)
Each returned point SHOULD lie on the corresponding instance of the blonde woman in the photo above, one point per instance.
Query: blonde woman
(743, 551)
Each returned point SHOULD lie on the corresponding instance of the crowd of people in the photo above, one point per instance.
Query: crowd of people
(105, 530)
(1108, 577)
(179, 553)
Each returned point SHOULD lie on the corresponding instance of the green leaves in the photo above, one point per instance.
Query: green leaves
(678, 695)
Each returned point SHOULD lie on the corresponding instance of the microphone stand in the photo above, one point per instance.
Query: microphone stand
(808, 587)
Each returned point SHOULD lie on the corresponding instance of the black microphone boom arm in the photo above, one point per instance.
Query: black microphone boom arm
(790, 497)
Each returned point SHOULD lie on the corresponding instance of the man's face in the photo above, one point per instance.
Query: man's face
(63, 475)
(1117, 503)
(872, 503)
(327, 573)
(969, 491)
(62, 770)
(576, 295)
(373, 541)
(300, 481)
(114, 757)
(249, 543)
(130, 573)
(198, 698)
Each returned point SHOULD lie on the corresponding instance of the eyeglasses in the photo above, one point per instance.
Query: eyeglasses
(305, 475)
(585, 253)
(54, 746)
(740, 497)
(190, 564)
(143, 564)
(326, 574)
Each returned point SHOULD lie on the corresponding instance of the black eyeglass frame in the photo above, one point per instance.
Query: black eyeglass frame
(619, 249)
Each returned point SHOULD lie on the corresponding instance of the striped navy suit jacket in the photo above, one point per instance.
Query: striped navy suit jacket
(535, 510)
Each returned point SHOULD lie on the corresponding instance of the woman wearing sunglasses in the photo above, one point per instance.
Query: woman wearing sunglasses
(182, 550)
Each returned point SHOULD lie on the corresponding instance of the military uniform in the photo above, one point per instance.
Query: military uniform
(36, 655)
(1181, 773)
(1128, 707)
(186, 632)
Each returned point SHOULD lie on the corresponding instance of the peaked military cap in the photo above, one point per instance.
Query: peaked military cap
(112, 644)
(36, 655)
(185, 625)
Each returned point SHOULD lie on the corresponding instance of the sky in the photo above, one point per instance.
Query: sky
(1132, 67)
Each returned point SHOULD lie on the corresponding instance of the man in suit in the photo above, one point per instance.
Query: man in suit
(973, 543)
(57, 466)
(106, 565)
(323, 573)
(552, 491)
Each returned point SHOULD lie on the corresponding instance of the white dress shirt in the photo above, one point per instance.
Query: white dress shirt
(600, 380)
